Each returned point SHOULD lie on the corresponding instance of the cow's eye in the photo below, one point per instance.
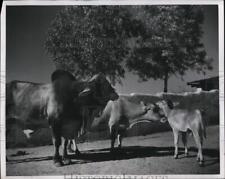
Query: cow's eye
(113, 89)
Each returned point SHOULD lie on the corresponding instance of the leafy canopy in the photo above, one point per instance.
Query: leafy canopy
(86, 40)
(151, 41)
(172, 45)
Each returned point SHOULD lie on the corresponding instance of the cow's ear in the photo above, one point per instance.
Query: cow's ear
(85, 92)
(170, 104)
(143, 103)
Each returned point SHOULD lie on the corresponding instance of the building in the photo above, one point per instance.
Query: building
(206, 84)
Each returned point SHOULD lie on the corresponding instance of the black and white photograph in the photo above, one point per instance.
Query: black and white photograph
(112, 89)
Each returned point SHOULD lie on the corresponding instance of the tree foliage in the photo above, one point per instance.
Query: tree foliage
(86, 40)
(152, 41)
(172, 45)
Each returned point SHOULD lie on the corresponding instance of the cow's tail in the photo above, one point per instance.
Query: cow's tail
(202, 124)
(104, 118)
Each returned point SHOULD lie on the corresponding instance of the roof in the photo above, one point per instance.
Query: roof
(206, 84)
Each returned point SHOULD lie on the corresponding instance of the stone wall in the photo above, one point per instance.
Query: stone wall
(207, 102)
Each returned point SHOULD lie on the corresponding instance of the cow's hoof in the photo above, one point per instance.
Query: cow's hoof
(186, 154)
(71, 150)
(201, 163)
(77, 153)
(175, 156)
(58, 163)
(198, 159)
(112, 150)
(66, 161)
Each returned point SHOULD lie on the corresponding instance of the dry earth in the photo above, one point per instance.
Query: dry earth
(141, 155)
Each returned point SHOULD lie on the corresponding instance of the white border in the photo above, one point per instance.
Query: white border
(221, 83)
(111, 2)
(114, 2)
(2, 90)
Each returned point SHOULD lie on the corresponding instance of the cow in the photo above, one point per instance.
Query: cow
(121, 114)
(59, 102)
(184, 121)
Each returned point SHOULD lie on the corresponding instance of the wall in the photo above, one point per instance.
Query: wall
(206, 101)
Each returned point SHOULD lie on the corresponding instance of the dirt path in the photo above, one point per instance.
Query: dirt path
(142, 155)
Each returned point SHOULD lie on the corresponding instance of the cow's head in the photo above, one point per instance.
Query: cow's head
(166, 106)
(99, 88)
(155, 113)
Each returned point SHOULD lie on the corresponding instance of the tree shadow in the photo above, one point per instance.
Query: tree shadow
(128, 152)
(208, 152)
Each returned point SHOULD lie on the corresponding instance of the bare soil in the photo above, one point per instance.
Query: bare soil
(140, 155)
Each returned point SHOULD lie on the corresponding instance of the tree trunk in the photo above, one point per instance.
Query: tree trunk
(165, 82)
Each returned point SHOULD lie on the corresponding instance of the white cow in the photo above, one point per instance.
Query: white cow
(184, 120)
(121, 114)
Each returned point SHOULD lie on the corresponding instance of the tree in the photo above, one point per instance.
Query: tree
(86, 40)
(172, 44)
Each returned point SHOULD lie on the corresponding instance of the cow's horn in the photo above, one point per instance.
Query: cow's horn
(85, 92)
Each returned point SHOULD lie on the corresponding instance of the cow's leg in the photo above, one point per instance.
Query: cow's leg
(119, 138)
(184, 139)
(56, 139)
(113, 135)
(199, 145)
(70, 149)
(176, 140)
(77, 152)
(121, 134)
(66, 159)
(72, 146)
(56, 158)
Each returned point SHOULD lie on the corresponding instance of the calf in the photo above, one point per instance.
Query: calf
(184, 120)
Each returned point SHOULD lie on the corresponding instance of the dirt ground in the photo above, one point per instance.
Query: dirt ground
(141, 155)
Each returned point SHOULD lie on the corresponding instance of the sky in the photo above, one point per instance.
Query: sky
(27, 60)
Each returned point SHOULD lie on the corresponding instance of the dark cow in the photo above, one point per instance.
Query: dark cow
(60, 102)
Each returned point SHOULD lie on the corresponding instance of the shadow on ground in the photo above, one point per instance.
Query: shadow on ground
(129, 152)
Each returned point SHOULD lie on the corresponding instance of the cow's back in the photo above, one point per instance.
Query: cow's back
(26, 100)
(184, 119)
